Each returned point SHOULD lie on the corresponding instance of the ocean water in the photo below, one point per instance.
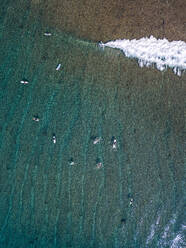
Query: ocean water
(45, 201)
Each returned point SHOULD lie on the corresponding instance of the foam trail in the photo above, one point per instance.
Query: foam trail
(151, 51)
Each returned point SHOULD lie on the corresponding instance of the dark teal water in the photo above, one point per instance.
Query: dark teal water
(45, 201)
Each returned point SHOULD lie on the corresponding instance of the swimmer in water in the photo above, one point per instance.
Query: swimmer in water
(54, 138)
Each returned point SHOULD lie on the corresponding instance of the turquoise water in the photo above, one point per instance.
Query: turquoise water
(45, 201)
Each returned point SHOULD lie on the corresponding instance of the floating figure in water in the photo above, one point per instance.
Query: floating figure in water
(47, 34)
(96, 140)
(24, 81)
(58, 67)
(35, 118)
(114, 143)
(54, 138)
(98, 163)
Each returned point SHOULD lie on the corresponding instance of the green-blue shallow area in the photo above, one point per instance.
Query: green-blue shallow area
(45, 201)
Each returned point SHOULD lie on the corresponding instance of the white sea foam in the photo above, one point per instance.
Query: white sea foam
(178, 241)
(151, 235)
(172, 239)
(179, 238)
(151, 51)
(153, 230)
(167, 227)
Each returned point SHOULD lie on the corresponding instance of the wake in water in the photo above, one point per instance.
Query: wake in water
(151, 51)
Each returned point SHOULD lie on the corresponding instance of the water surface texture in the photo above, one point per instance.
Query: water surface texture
(47, 202)
(119, 19)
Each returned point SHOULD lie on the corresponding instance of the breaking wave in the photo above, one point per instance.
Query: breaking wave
(151, 51)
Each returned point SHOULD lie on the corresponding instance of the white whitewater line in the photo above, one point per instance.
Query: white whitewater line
(178, 241)
(149, 51)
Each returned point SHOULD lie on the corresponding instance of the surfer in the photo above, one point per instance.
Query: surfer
(102, 45)
(58, 67)
(96, 140)
(35, 118)
(131, 202)
(71, 162)
(114, 143)
(98, 163)
(24, 81)
(54, 138)
(47, 34)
